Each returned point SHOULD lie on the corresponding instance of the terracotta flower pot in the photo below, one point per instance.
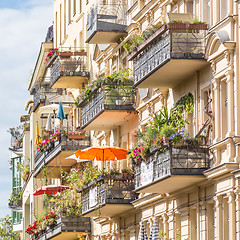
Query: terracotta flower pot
(57, 138)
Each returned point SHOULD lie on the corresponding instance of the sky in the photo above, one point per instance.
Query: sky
(23, 26)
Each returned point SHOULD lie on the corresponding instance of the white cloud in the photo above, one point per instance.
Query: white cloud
(22, 31)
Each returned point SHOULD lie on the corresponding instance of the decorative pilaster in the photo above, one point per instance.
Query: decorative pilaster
(216, 108)
(232, 215)
(219, 217)
(165, 224)
(237, 201)
(230, 96)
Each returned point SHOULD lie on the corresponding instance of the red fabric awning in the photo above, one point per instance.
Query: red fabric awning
(50, 189)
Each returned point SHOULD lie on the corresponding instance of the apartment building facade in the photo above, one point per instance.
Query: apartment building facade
(175, 49)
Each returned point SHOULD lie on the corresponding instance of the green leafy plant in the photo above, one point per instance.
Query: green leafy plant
(135, 40)
(16, 133)
(196, 21)
(167, 125)
(23, 168)
(167, 131)
(15, 198)
(6, 229)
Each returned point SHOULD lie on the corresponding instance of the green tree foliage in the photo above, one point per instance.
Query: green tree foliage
(6, 229)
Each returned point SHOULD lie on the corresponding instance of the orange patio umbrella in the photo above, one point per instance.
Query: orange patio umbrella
(102, 153)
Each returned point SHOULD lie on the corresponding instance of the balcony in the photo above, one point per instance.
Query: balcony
(172, 170)
(56, 152)
(15, 206)
(15, 200)
(107, 106)
(69, 69)
(174, 46)
(108, 196)
(41, 92)
(18, 227)
(66, 228)
(106, 22)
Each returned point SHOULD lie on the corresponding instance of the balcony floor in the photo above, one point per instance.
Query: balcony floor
(66, 236)
(70, 82)
(171, 73)
(107, 119)
(108, 210)
(170, 184)
(100, 37)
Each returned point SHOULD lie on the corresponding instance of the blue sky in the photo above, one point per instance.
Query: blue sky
(23, 26)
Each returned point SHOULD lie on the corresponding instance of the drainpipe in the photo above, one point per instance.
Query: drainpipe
(198, 215)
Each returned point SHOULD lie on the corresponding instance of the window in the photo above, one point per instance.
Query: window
(80, 6)
(64, 21)
(69, 11)
(60, 20)
(74, 7)
(223, 8)
(56, 30)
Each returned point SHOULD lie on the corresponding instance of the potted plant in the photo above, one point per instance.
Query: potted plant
(166, 133)
(17, 135)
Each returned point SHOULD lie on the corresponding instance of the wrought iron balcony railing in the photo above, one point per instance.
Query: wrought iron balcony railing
(65, 225)
(171, 41)
(107, 190)
(66, 66)
(116, 97)
(42, 92)
(15, 206)
(109, 18)
(179, 161)
(54, 149)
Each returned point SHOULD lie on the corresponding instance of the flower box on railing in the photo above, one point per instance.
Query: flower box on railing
(82, 53)
(64, 55)
(77, 137)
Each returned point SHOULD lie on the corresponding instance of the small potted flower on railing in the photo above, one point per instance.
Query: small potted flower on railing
(39, 226)
(32, 229)
(76, 135)
(84, 93)
(56, 135)
(50, 219)
(51, 54)
(45, 145)
(49, 142)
